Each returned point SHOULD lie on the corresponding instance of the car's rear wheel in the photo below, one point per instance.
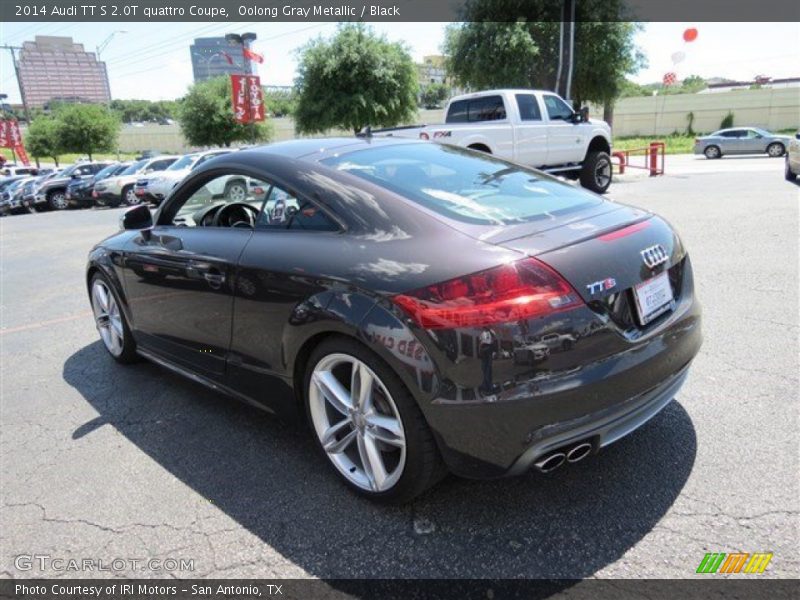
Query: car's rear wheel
(110, 320)
(367, 423)
(596, 172)
(787, 171)
(775, 149)
(712, 152)
(57, 200)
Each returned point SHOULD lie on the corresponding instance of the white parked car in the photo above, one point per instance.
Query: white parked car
(532, 127)
(154, 188)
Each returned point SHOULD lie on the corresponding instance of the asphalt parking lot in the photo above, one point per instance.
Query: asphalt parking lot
(102, 461)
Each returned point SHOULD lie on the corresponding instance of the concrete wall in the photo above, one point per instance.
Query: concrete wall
(777, 108)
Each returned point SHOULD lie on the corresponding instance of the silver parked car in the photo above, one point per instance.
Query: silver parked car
(741, 140)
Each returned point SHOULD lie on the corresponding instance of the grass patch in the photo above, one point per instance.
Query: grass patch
(674, 144)
(68, 159)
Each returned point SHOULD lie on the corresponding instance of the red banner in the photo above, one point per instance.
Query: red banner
(254, 56)
(256, 98)
(248, 98)
(241, 98)
(10, 137)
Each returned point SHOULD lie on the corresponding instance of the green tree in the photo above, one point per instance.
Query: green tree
(86, 128)
(280, 102)
(206, 117)
(42, 139)
(433, 95)
(693, 84)
(352, 80)
(485, 52)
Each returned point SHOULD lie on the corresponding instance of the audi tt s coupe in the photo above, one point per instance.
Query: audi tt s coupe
(426, 308)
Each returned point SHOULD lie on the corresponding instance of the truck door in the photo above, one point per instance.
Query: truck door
(563, 136)
(530, 136)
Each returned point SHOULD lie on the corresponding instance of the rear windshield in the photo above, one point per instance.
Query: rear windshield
(463, 185)
(184, 162)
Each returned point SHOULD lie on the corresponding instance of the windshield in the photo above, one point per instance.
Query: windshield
(183, 162)
(103, 173)
(463, 185)
(135, 167)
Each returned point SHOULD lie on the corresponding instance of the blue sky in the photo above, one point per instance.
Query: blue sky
(152, 60)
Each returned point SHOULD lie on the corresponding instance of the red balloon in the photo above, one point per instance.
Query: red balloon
(690, 35)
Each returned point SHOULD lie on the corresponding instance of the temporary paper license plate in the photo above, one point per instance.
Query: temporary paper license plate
(653, 297)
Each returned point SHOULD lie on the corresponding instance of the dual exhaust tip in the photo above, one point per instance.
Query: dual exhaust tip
(550, 462)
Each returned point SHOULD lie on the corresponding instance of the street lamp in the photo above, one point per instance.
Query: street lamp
(244, 41)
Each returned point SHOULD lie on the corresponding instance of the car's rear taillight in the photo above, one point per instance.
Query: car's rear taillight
(519, 290)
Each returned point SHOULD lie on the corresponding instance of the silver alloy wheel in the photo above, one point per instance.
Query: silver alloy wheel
(602, 173)
(711, 152)
(775, 150)
(236, 193)
(108, 318)
(357, 422)
(59, 200)
(131, 198)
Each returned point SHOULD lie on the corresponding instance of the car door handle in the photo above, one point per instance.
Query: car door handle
(214, 279)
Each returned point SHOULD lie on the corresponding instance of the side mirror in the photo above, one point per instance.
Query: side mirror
(797, 135)
(581, 116)
(74, 176)
(138, 217)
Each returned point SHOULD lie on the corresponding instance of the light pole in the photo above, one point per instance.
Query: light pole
(243, 40)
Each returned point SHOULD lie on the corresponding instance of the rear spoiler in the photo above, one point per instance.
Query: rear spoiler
(367, 131)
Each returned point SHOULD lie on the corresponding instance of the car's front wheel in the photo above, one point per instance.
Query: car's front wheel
(775, 149)
(129, 196)
(110, 320)
(57, 200)
(367, 423)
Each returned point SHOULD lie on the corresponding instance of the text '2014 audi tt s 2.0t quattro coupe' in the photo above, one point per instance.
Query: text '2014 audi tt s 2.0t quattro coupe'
(427, 308)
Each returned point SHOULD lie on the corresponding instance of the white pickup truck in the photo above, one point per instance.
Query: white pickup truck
(532, 127)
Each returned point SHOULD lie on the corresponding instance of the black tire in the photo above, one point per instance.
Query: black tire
(787, 171)
(424, 466)
(57, 200)
(236, 191)
(128, 354)
(596, 172)
(776, 150)
(128, 197)
(712, 152)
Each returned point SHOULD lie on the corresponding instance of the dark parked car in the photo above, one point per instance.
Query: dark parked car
(380, 287)
(79, 191)
(52, 193)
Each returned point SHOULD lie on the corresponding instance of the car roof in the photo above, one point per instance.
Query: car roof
(315, 149)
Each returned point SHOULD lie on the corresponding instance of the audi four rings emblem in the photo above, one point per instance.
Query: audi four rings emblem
(654, 256)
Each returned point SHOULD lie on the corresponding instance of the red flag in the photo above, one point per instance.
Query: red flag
(256, 98)
(4, 134)
(249, 54)
(241, 97)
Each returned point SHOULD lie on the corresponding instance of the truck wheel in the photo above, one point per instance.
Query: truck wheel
(57, 200)
(596, 172)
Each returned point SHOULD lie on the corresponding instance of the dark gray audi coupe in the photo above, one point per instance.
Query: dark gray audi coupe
(427, 308)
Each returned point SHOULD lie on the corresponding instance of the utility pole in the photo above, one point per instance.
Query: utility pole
(19, 81)
(566, 49)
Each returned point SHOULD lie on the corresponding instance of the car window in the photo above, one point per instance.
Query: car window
(557, 109)
(488, 108)
(85, 170)
(752, 134)
(528, 107)
(468, 187)
(283, 210)
(160, 165)
(184, 162)
(457, 113)
(135, 168)
(200, 208)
